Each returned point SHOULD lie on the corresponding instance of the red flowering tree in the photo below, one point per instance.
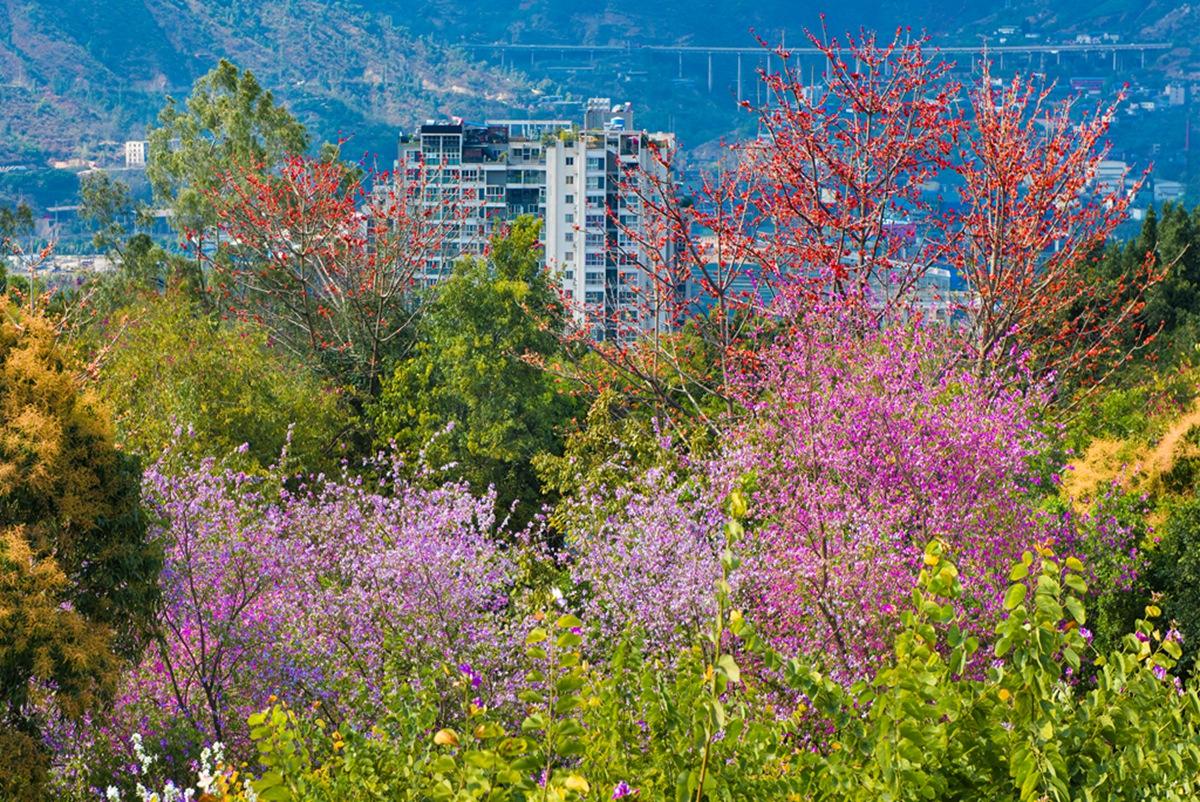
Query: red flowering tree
(820, 204)
(834, 202)
(327, 258)
(1033, 212)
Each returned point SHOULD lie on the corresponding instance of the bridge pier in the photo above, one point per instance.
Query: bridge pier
(739, 77)
(710, 73)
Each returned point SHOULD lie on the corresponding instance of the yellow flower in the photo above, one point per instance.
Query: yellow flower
(576, 783)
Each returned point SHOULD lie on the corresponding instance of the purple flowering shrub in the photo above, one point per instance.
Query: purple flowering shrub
(646, 558)
(323, 592)
(861, 448)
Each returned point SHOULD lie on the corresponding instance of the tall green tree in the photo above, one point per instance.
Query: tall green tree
(141, 264)
(229, 122)
(479, 366)
(78, 579)
(107, 205)
(15, 222)
(1170, 236)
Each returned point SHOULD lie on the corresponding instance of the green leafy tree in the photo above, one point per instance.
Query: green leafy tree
(15, 222)
(1175, 574)
(78, 580)
(228, 122)
(174, 367)
(105, 203)
(479, 366)
(142, 264)
(1171, 236)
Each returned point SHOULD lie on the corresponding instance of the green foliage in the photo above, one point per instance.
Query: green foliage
(105, 203)
(1174, 573)
(1171, 237)
(228, 121)
(611, 446)
(15, 221)
(479, 366)
(77, 577)
(172, 367)
(1024, 730)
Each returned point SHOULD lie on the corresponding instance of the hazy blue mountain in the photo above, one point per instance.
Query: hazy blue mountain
(76, 74)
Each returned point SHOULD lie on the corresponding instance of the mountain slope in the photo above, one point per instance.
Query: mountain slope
(90, 70)
(75, 74)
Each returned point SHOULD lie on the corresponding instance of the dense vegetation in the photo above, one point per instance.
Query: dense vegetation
(278, 522)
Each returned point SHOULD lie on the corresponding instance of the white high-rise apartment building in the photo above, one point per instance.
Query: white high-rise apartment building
(476, 176)
(589, 214)
(571, 177)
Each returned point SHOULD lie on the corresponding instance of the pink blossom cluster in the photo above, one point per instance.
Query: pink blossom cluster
(861, 447)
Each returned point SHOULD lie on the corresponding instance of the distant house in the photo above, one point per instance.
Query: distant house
(1111, 176)
(135, 153)
(1168, 191)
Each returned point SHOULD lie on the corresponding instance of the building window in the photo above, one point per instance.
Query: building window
(570, 160)
(570, 180)
(569, 199)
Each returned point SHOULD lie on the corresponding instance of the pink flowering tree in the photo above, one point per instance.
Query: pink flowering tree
(861, 447)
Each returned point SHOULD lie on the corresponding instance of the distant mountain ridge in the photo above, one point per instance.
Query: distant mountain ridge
(77, 74)
(85, 71)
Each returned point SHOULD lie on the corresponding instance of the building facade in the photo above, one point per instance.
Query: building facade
(591, 214)
(135, 153)
(573, 177)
